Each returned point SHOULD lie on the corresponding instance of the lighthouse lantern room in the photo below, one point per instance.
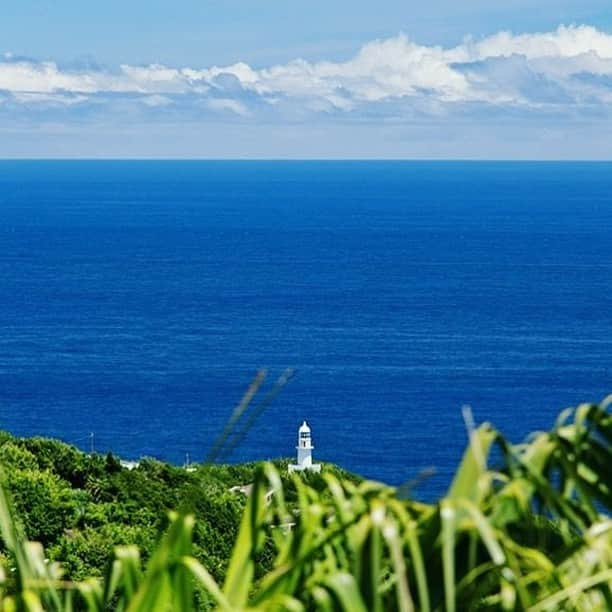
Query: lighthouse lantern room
(304, 451)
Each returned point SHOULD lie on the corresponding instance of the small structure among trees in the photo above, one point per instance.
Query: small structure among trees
(304, 452)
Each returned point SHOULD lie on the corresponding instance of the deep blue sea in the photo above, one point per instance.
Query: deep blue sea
(138, 299)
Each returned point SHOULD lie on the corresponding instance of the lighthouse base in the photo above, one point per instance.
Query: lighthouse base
(313, 467)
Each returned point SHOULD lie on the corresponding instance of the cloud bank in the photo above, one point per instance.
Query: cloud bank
(569, 69)
(536, 95)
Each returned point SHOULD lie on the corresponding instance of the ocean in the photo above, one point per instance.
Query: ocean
(139, 298)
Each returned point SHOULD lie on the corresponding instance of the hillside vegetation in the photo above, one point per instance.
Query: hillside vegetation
(522, 527)
(80, 506)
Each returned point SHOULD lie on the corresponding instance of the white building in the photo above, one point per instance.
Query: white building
(304, 451)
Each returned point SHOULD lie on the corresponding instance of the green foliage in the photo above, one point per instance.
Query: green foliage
(81, 506)
(44, 502)
(17, 457)
(532, 532)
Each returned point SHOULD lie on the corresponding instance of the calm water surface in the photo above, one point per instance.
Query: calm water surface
(137, 299)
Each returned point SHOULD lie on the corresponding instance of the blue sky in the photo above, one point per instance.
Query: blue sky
(263, 78)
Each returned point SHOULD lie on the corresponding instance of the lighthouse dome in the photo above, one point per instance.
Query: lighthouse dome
(304, 428)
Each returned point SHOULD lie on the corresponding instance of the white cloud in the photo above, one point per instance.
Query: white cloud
(47, 98)
(565, 42)
(226, 104)
(156, 100)
(570, 67)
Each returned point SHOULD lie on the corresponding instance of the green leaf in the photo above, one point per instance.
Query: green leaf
(467, 481)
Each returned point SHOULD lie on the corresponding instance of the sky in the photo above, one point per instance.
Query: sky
(520, 79)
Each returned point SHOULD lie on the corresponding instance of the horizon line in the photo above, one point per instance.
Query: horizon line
(315, 159)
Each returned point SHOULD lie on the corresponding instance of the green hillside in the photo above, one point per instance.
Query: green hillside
(523, 527)
(80, 506)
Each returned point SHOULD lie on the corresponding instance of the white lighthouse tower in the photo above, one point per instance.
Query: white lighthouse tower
(304, 451)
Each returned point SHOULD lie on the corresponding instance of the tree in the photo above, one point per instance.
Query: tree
(44, 503)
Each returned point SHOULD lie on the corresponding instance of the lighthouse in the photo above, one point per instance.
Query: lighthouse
(304, 451)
